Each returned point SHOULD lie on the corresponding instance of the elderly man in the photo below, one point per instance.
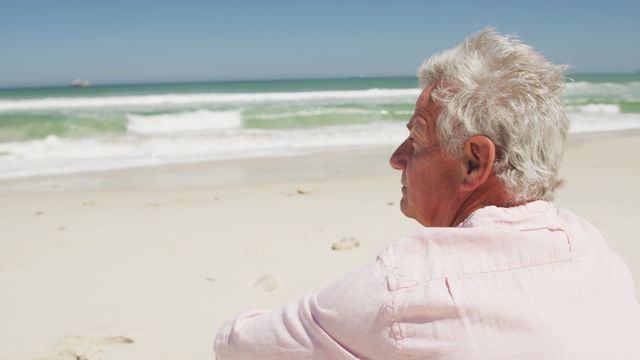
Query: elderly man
(497, 272)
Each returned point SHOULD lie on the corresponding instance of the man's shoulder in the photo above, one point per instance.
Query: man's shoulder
(434, 253)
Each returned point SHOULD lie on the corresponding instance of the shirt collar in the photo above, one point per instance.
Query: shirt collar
(533, 215)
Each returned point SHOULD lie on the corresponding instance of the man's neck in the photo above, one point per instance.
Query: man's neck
(491, 193)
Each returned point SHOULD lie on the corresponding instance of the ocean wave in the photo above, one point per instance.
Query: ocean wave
(204, 98)
(600, 122)
(145, 145)
(595, 108)
(622, 91)
(316, 112)
(55, 155)
(183, 122)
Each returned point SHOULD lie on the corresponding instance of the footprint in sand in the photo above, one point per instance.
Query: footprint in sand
(303, 190)
(266, 283)
(166, 203)
(85, 348)
(346, 243)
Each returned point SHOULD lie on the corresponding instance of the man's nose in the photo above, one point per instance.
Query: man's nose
(398, 159)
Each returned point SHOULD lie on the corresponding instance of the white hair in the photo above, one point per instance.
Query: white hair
(495, 85)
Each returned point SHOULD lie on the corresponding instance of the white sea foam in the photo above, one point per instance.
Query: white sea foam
(582, 90)
(145, 145)
(204, 98)
(55, 155)
(183, 122)
(319, 111)
(595, 108)
(598, 122)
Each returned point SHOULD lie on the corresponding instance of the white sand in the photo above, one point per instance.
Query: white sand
(148, 263)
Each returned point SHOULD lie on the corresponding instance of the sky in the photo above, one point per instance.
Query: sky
(54, 42)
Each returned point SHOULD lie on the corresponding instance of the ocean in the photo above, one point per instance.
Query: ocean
(64, 130)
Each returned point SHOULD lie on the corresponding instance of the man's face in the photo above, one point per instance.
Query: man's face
(430, 180)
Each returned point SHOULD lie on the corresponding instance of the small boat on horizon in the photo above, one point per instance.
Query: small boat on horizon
(80, 83)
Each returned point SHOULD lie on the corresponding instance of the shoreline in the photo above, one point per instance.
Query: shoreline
(344, 163)
(224, 172)
(317, 166)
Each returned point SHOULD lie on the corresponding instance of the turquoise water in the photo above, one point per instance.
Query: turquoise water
(220, 87)
(621, 91)
(63, 129)
(605, 78)
(77, 120)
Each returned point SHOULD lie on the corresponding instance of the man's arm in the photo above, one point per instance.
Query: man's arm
(343, 321)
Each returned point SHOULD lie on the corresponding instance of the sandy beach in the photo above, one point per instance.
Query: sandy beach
(148, 263)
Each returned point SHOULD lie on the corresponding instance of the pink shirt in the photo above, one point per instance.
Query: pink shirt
(528, 282)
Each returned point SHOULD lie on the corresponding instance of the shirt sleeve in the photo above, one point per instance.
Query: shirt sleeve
(346, 320)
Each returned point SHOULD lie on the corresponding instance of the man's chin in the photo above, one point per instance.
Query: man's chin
(404, 208)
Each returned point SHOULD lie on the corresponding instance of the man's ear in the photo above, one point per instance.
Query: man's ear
(479, 155)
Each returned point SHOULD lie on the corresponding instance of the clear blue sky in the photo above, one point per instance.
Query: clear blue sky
(53, 42)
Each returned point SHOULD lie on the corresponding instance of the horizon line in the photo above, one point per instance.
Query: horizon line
(266, 79)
